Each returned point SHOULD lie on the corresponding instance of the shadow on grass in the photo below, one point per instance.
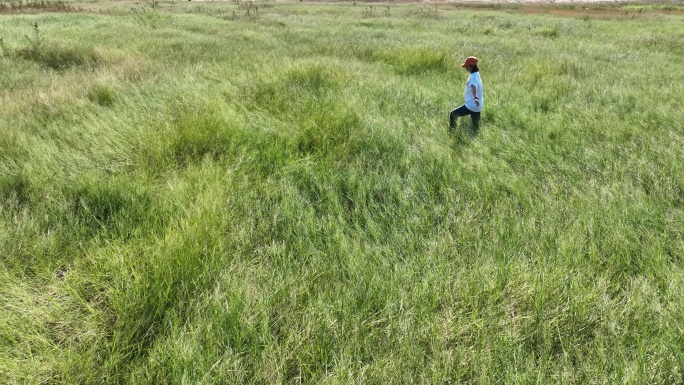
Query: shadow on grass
(464, 133)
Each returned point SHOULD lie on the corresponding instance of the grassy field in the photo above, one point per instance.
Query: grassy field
(215, 193)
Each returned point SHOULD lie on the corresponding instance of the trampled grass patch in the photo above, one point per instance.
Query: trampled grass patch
(191, 194)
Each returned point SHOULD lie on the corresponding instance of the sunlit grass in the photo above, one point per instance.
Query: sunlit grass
(219, 197)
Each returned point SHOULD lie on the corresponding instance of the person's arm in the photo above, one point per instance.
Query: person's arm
(474, 91)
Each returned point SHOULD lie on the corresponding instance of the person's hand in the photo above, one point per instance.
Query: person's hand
(477, 101)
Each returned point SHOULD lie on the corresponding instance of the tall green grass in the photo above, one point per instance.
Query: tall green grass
(217, 197)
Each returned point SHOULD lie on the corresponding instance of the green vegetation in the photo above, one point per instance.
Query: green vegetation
(655, 6)
(228, 193)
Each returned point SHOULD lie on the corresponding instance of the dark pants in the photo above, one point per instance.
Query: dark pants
(463, 111)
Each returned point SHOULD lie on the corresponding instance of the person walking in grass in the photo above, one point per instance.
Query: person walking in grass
(474, 96)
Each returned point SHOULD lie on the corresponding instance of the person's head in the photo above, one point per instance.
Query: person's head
(470, 64)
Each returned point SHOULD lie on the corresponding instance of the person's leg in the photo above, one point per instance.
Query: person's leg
(475, 117)
(460, 111)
